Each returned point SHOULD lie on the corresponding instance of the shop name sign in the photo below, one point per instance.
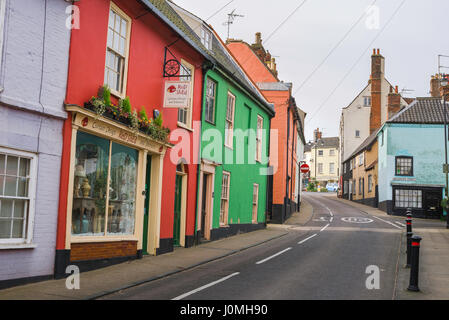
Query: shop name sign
(177, 94)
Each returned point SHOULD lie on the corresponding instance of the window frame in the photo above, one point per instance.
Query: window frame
(420, 195)
(320, 171)
(255, 205)
(123, 15)
(29, 229)
(206, 42)
(357, 133)
(225, 220)
(210, 80)
(229, 133)
(370, 183)
(191, 68)
(2, 28)
(259, 138)
(332, 168)
(396, 166)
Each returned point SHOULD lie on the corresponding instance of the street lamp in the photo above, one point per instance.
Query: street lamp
(444, 82)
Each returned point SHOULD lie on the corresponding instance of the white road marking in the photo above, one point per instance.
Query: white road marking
(325, 227)
(332, 219)
(205, 286)
(273, 256)
(307, 239)
(401, 224)
(391, 223)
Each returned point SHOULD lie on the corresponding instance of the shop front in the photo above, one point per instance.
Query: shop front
(114, 191)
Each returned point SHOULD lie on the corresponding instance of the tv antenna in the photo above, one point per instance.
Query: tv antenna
(406, 91)
(231, 18)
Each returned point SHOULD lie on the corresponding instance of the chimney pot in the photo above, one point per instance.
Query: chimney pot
(378, 51)
(397, 89)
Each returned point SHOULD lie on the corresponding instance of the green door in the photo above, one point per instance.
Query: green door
(177, 219)
(146, 207)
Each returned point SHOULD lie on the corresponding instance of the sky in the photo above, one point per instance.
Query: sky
(324, 47)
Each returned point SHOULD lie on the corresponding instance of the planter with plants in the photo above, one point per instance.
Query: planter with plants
(123, 113)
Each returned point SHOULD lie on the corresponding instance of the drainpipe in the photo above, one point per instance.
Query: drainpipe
(286, 166)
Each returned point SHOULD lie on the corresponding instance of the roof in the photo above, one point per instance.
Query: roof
(364, 145)
(167, 14)
(422, 110)
(330, 142)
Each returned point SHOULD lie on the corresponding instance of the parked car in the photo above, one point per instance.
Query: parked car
(332, 187)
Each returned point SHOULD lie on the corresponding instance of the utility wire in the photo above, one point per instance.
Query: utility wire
(332, 50)
(357, 61)
(285, 21)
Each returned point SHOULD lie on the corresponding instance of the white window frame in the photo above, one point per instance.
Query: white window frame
(259, 138)
(255, 205)
(191, 69)
(332, 168)
(211, 121)
(2, 29)
(365, 100)
(125, 57)
(206, 38)
(224, 214)
(320, 170)
(27, 240)
(229, 133)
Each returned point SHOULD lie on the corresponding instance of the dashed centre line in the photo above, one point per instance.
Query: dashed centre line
(324, 228)
(307, 239)
(273, 256)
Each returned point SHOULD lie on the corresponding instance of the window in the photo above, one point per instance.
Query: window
(370, 183)
(344, 168)
(224, 207)
(259, 138)
(229, 125)
(408, 198)
(404, 166)
(211, 89)
(360, 186)
(367, 101)
(184, 115)
(255, 201)
(104, 197)
(320, 153)
(345, 187)
(354, 183)
(320, 168)
(357, 133)
(117, 50)
(331, 168)
(206, 38)
(361, 158)
(332, 152)
(382, 136)
(17, 188)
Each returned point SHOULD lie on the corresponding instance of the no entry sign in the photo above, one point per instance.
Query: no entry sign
(305, 168)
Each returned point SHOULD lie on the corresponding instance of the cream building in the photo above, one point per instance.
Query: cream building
(323, 158)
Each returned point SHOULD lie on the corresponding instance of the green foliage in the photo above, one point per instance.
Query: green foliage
(143, 115)
(158, 121)
(323, 190)
(125, 106)
(107, 96)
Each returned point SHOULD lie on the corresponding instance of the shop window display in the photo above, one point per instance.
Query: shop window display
(100, 163)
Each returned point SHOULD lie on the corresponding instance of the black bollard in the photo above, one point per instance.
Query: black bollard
(408, 221)
(409, 248)
(416, 243)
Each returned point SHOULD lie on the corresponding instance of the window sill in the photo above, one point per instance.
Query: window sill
(184, 126)
(14, 246)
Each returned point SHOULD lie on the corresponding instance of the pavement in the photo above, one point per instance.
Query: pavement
(434, 257)
(98, 283)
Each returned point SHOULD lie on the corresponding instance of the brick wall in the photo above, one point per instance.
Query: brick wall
(102, 250)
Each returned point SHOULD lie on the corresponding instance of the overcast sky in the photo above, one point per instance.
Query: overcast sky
(410, 43)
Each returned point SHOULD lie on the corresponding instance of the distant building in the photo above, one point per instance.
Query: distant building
(411, 158)
(322, 155)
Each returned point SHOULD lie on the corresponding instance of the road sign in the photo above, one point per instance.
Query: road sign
(305, 168)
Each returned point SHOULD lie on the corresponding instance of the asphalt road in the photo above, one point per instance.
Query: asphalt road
(325, 259)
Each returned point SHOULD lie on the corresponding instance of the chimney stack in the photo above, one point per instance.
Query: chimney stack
(258, 38)
(317, 135)
(435, 86)
(377, 75)
(444, 92)
(394, 102)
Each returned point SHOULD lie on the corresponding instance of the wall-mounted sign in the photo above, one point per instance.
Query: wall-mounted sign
(177, 94)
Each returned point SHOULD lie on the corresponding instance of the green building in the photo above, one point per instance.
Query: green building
(235, 139)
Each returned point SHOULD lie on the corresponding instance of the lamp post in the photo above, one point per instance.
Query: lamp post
(444, 83)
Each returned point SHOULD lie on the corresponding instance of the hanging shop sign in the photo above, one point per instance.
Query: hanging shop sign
(177, 94)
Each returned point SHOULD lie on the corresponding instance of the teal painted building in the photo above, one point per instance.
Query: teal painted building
(411, 158)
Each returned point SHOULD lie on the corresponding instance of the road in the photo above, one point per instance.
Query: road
(325, 259)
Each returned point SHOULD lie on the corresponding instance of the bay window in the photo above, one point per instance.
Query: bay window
(104, 194)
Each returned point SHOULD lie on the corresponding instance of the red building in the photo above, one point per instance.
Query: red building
(121, 194)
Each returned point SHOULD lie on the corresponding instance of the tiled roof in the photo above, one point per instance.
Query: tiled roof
(331, 142)
(422, 110)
